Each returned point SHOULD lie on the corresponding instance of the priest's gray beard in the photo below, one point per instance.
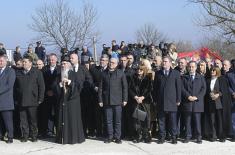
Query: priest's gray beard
(64, 74)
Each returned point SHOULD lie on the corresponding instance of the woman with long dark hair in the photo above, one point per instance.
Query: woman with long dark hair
(213, 100)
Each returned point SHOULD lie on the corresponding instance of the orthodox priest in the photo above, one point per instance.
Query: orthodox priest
(69, 124)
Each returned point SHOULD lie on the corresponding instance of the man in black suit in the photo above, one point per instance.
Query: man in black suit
(193, 92)
(29, 92)
(96, 73)
(167, 95)
(182, 68)
(82, 75)
(127, 121)
(7, 79)
(47, 110)
(113, 94)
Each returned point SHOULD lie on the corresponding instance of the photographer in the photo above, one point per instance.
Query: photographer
(142, 50)
(152, 52)
(123, 47)
(164, 48)
(85, 55)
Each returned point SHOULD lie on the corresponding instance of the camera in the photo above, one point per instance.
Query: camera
(64, 52)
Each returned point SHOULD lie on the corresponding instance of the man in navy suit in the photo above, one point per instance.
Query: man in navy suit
(193, 92)
(167, 95)
(7, 79)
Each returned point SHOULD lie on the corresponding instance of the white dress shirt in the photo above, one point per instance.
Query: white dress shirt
(76, 67)
(212, 84)
(52, 68)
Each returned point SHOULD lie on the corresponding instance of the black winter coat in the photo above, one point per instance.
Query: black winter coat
(29, 87)
(167, 90)
(113, 88)
(197, 88)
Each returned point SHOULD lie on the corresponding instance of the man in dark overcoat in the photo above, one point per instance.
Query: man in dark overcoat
(47, 110)
(193, 92)
(29, 93)
(167, 95)
(113, 94)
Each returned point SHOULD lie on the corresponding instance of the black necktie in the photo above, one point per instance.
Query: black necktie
(166, 72)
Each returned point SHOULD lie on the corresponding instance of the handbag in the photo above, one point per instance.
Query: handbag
(139, 113)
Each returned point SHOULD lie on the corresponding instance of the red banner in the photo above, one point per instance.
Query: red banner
(196, 55)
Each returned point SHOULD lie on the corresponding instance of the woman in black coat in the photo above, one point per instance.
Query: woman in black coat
(140, 93)
(215, 107)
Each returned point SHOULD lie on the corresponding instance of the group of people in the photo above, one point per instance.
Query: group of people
(129, 95)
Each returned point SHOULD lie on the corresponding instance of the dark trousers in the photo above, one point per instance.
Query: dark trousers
(46, 116)
(7, 117)
(180, 124)
(113, 115)
(172, 123)
(28, 121)
(196, 118)
(233, 119)
(88, 115)
(99, 119)
(216, 124)
(127, 121)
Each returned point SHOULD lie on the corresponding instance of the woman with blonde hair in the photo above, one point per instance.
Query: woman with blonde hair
(148, 66)
(140, 89)
(173, 54)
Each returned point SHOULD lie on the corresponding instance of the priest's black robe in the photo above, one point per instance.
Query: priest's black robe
(69, 122)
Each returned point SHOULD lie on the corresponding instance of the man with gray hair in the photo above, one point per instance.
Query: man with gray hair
(113, 94)
(226, 66)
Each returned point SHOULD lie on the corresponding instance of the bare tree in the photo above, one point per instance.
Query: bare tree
(217, 45)
(149, 34)
(184, 46)
(218, 15)
(59, 25)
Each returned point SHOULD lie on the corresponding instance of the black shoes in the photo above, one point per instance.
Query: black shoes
(1, 138)
(24, 139)
(174, 141)
(186, 140)
(233, 139)
(108, 140)
(212, 139)
(222, 140)
(118, 141)
(147, 140)
(199, 141)
(161, 141)
(34, 139)
(9, 141)
(136, 140)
